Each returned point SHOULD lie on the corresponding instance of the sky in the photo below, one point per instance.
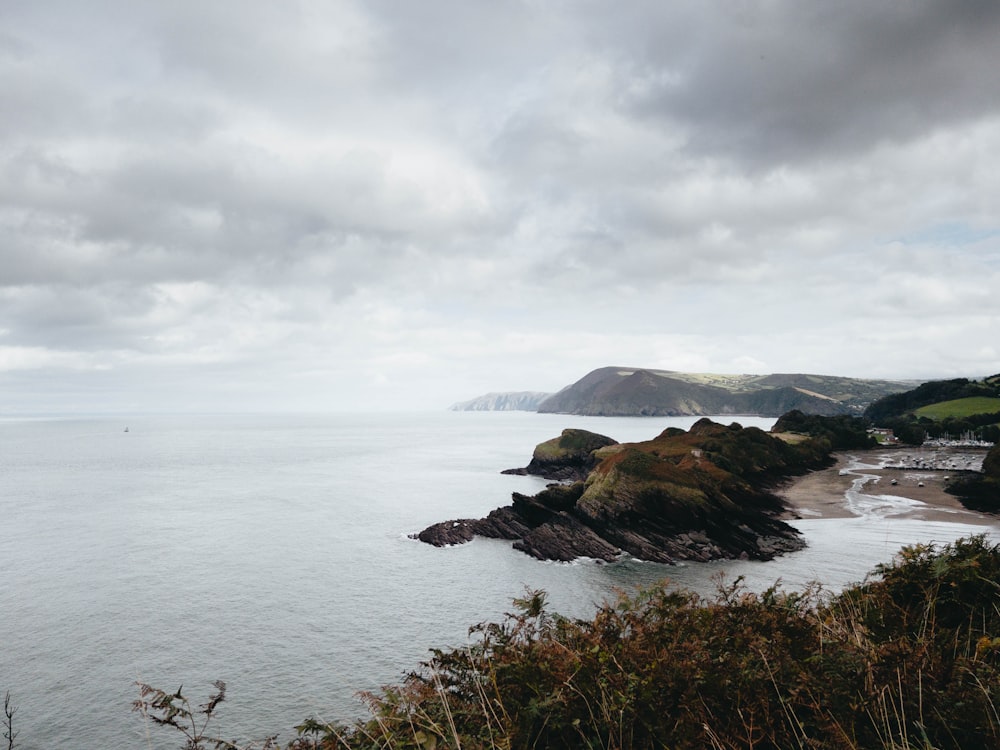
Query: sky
(328, 205)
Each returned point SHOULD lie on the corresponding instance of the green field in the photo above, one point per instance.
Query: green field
(962, 407)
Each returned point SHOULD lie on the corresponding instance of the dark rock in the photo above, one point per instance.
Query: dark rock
(563, 537)
(698, 495)
(447, 533)
(567, 458)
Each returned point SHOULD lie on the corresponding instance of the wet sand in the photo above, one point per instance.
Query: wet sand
(828, 493)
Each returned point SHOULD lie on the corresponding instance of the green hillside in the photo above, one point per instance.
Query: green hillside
(960, 408)
(942, 407)
(933, 392)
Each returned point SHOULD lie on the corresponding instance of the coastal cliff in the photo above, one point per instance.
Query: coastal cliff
(698, 495)
(504, 401)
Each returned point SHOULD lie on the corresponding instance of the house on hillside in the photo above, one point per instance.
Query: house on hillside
(883, 435)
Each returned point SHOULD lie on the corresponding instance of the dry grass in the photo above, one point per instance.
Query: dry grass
(908, 659)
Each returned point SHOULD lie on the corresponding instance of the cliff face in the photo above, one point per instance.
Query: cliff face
(696, 495)
(513, 401)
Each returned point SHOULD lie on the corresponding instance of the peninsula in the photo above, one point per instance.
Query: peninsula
(703, 494)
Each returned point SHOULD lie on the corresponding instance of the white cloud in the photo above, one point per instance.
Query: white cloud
(344, 205)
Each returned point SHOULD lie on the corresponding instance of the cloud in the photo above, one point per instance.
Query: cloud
(778, 82)
(356, 204)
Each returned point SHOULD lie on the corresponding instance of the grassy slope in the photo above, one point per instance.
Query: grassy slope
(707, 479)
(959, 408)
(571, 442)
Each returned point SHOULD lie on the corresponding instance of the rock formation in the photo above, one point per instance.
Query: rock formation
(567, 458)
(696, 495)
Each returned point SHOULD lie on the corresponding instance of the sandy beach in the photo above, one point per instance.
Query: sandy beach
(897, 483)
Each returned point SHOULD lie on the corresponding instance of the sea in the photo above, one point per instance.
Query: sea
(273, 552)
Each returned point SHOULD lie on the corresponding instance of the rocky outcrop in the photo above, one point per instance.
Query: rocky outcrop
(567, 458)
(697, 495)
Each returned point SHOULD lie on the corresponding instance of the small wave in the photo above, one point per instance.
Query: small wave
(881, 506)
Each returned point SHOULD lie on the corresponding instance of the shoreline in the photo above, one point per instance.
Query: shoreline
(861, 484)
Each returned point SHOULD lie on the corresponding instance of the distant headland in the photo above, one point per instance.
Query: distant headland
(645, 392)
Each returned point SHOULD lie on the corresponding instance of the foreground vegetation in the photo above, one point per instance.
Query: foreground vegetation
(910, 658)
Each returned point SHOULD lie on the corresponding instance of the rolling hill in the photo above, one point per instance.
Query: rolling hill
(960, 408)
(627, 391)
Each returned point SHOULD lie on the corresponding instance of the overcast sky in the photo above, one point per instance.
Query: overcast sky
(329, 204)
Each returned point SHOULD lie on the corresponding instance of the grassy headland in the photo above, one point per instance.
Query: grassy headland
(702, 494)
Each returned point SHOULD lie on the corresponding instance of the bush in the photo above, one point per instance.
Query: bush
(909, 658)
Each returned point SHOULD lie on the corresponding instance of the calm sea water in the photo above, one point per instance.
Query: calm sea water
(272, 553)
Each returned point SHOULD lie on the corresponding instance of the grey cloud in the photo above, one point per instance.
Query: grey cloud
(156, 117)
(792, 81)
(314, 63)
(63, 317)
(387, 187)
(177, 215)
(469, 52)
